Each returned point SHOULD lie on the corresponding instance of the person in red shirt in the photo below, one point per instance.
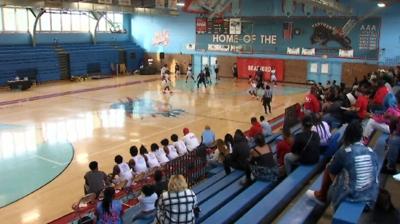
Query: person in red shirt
(312, 103)
(379, 97)
(255, 128)
(359, 110)
(283, 147)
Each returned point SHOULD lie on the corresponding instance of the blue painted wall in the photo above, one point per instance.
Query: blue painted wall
(390, 37)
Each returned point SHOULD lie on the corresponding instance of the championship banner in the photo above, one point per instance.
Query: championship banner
(346, 53)
(235, 26)
(293, 51)
(201, 25)
(249, 66)
(218, 47)
(308, 52)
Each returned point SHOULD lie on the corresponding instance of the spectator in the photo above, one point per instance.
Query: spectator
(219, 154)
(160, 154)
(255, 128)
(169, 149)
(262, 163)
(190, 140)
(352, 174)
(322, 128)
(228, 142)
(283, 147)
(138, 161)
(238, 159)
(266, 127)
(179, 145)
(208, 136)
(178, 204)
(305, 148)
(380, 94)
(151, 157)
(95, 180)
(109, 210)
(393, 146)
(123, 171)
(312, 104)
(147, 201)
(160, 185)
(359, 110)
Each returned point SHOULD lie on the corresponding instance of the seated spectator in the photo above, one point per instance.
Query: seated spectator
(138, 161)
(262, 163)
(151, 157)
(95, 180)
(109, 210)
(359, 110)
(393, 146)
(380, 94)
(123, 171)
(160, 154)
(178, 204)
(239, 158)
(179, 145)
(283, 147)
(147, 201)
(208, 136)
(333, 114)
(322, 128)
(312, 104)
(160, 184)
(255, 128)
(266, 127)
(305, 149)
(352, 174)
(190, 140)
(228, 140)
(169, 149)
(218, 155)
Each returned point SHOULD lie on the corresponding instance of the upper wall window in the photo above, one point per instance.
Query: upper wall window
(1, 20)
(111, 21)
(9, 19)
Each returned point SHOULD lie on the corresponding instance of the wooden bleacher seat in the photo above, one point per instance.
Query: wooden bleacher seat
(208, 182)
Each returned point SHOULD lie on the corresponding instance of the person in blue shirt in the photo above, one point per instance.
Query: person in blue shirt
(208, 136)
(109, 211)
(352, 174)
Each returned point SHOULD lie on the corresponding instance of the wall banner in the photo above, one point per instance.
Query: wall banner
(249, 66)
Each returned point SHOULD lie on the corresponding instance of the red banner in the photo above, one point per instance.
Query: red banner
(249, 66)
(201, 25)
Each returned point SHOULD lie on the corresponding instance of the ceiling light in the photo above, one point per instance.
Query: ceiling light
(381, 4)
(181, 4)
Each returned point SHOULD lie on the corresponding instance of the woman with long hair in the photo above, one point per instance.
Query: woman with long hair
(322, 128)
(109, 211)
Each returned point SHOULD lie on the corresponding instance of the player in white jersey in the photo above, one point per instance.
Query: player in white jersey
(138, 161)
(169, 149)
(189, 73)
(166, 83)
(123, 171)
(190, 140)
(179, 145)
(151, 158)
(273, 76)
(160, 154)
(164, 70)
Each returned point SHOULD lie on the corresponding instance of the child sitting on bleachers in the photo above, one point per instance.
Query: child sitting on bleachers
(179, 145)
(147, 201)
(169, 149)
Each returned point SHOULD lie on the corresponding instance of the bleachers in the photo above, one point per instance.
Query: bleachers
(42, 58)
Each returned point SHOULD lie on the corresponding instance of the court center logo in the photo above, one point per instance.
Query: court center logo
(136, 107)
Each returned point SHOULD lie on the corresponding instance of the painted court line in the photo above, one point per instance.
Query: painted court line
(50, 160)
(52, 95)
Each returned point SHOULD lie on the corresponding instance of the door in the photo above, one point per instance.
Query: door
(321, 71)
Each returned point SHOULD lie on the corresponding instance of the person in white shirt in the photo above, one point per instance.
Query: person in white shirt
(123, 171)
(190, 140)
(160, 154)
(322, 128)
(266, 127)
(273, 75)
(164, 70)
(179, 145)
(189, 73)
(147, 200)
(138, 161)
(169, 149)
(151, 158)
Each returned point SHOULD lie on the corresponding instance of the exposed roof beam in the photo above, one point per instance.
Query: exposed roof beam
(329, 5)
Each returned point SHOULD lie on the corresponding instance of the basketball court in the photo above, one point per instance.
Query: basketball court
(50, 133)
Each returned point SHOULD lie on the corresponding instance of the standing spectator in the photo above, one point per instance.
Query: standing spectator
(169, 149)
(147, 201)
(160, 154)
(255, 128)
(235, 71)
(216, 69)
(151, 157)
(178, 204)
(266, 127)
(284, 147)
(123, 171)
(267, 99)
(305, 148)
(179, 145)
(262, 163)
(109, 210)
(208, 136)
(352, 174)
(95, 180)
(239, 158)
(138, 161)
(190, 140)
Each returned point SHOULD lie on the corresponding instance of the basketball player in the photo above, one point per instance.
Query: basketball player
(273, 76)
(177, 70)
(166, 83)
(201, 78)
(235, 71)
(189, 73)
(216, 69)
(208, 74)
(164, 70)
